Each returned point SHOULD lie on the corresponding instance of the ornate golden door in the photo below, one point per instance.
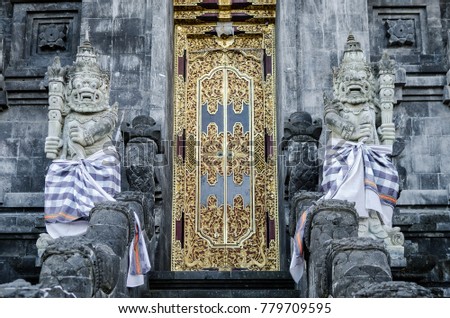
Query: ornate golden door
(225, 212)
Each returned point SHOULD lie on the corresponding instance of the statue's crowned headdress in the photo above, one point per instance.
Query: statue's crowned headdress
(87, 83)
(353, 81)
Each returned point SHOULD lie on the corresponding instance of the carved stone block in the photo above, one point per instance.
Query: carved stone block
(400, 30)
(329, 220)
(355, 263)
(394, 290)
(45, 30)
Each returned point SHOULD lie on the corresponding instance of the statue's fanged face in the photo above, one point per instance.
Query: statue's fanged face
(87, 93)
(354, 86)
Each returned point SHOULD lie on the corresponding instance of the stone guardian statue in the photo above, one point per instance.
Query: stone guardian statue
(85, 166)
(358, 166)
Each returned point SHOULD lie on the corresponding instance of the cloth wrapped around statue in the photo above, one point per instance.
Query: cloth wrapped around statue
(363, 174)
(73, 186)
(359, 173)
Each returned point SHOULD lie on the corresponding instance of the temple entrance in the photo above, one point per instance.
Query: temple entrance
(225, 214)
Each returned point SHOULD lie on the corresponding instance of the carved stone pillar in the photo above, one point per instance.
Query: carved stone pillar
(142, 140)
(301, 143)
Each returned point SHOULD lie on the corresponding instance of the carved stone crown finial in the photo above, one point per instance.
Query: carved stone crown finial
(352, 45)
(353, 52)
(86, 60)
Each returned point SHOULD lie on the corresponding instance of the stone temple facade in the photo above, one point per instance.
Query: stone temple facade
(138, 43)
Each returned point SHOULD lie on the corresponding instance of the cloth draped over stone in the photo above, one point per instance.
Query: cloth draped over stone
(72, 187)
(359, 173)
(139, 261)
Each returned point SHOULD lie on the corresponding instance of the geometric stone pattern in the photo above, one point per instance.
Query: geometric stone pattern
(401, 32)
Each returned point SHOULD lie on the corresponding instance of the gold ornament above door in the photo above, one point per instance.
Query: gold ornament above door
(225, 205)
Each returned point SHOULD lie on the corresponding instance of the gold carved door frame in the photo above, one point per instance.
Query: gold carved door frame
(225, 204)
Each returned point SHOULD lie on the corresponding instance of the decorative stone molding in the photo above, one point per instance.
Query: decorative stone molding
(53, 37)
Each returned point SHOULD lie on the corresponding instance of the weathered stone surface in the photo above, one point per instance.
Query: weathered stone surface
(299, 203)
(327, 221)
(147, 202)
(330, 219)
(301, 140)
(393, 290)
(95, 263)
(424, 197)
(355, 263)
(21, 289)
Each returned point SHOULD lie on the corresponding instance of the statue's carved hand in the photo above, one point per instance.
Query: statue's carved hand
(77, 134)
(387, 133)
(52, 145)
(362, 132)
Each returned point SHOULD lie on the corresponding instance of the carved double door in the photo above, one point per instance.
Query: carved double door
(225, 177)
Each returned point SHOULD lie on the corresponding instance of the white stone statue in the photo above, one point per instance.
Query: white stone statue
(81, 121)
(358, 167)
(85, 169)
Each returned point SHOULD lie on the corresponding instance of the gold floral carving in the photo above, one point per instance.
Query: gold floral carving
(211, 163)
(230, 232)
(238, 158)
(239, 221)
(212, 221)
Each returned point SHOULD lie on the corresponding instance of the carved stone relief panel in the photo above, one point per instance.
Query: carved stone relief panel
(40, 31)
(399, 30)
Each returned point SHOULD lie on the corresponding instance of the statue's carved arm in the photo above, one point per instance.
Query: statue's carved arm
(344, 128)
(94, 130)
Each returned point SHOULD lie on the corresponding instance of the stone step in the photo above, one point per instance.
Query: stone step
(222, 293)
(217, 284)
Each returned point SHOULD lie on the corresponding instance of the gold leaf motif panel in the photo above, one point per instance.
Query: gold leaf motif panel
(225, 193)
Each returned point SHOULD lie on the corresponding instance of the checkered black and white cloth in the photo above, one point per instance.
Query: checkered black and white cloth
(360, 173)
(379, 174)
(73, 186)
